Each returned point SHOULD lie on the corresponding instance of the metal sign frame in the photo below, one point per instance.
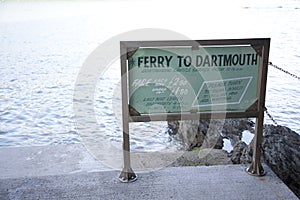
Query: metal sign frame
(261, 46)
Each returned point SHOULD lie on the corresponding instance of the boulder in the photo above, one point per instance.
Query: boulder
(242, 153)
(196, 133)
(233, 129)
(173, 127)
(281, 152)
(209, 133)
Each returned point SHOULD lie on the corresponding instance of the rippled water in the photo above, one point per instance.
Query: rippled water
(44, 44)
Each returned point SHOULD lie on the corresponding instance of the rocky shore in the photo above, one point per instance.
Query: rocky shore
(203, 141)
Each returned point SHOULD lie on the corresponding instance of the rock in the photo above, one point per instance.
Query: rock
(192, 133)
(201, 156)
(213, 137)
(209, 133)
(237, 152)
(173, 127)
(242, 153)
(233, 129)
(196, 133)
(281, 152)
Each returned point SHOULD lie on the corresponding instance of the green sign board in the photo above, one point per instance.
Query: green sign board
(192, 80)
(186, 79)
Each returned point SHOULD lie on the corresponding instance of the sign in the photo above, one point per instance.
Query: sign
(182, 79)
(192, 80)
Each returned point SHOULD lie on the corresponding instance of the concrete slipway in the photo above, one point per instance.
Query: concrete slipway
(38, 173)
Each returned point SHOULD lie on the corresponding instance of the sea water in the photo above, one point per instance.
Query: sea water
(43, 45)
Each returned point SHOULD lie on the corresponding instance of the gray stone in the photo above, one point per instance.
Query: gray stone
(242, 153)
(196, 133)
(237, 152)
(281, 151)
(233, 129)
(209, 133)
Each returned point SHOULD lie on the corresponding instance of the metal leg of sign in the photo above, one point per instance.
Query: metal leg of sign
(256, 168)
(127, 175)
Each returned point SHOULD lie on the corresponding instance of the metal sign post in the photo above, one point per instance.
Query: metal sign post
(127, 174)
(192, 80)
(256, 167)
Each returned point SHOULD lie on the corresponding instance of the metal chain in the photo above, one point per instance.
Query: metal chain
(283, 70)
(271, 117)
(287, 72)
